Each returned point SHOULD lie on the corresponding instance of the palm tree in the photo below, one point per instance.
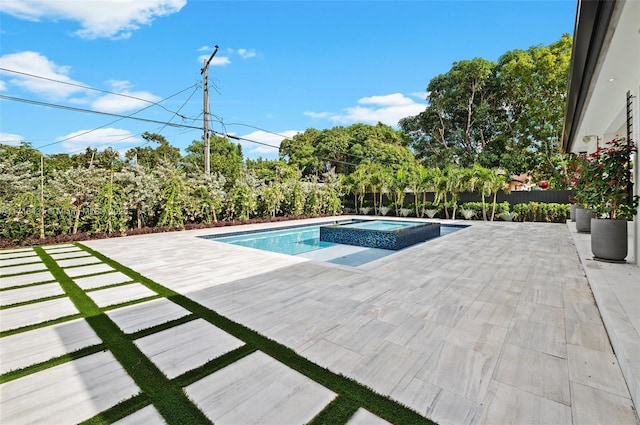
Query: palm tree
(481, 177)
(497, 181)
(416, 183)
(438, 178)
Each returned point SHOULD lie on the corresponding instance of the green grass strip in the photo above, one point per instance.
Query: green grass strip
(119, 411)
(163, 326)
(338, 412)
(214, 365)
(348, 388)
(167, 397)
(19, 373)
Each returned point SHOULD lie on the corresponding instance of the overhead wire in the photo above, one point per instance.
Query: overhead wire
(88, 88)
(163, 124)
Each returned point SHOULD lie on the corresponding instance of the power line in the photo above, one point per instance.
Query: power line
(88, 88)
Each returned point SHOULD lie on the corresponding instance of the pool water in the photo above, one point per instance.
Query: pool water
(304, 240)
(381, 225)
(289, 241)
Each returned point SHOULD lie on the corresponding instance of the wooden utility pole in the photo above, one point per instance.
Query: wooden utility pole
(205, 77)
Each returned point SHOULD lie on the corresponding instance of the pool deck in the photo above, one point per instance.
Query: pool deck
(499, 323)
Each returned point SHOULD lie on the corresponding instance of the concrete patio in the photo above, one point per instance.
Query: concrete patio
(494, 324)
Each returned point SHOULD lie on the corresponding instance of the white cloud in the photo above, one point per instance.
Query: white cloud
(318, 114)
(10, 139)
(246, 54)
(52, 84)
(102, 138)
(116, 103)
(216, 61)
(34, 63)
(224, 59)
(387, 109)
(254, 149)
(115, 19)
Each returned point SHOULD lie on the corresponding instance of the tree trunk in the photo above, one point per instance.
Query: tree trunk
(493, 207)
(77, 219)
(139, 216)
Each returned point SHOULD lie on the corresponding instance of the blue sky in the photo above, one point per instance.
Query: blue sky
(281, 67)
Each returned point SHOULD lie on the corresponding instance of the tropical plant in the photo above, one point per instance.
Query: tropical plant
(604, 181)
(468, 214)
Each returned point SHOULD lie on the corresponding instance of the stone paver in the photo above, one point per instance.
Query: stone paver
(72, 254)
(364, 417)
(68, 393)
(187, 346)
(258, 390)
(31, 314)
(454, 328)
(18, 295)
(60, 247)
(87, 270)
(97, 281)
(147, 416)
(463, 313)
(38, 345)
(22, 268)
(20, 260)
(136, 317)
(12, 252)
(25, 279)
(120, 294)
(77, 261)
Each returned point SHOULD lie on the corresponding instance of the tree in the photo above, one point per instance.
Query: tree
(506, 115)
(205, 195)
(534, 123)
(109, 207)
(300, 152)
(152, 158)
(455, 124)
(173, 194)
(416, 182)
(225, 159)
(141, 189)
(79, 186)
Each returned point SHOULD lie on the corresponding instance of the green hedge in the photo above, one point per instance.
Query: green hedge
(539, 211)
(532, 211)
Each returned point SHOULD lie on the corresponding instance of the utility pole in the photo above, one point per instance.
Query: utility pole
(205, 76)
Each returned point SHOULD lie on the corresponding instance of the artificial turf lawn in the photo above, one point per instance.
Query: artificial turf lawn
(351, 394)
(167, 395)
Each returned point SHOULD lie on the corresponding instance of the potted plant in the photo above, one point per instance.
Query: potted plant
(607, 192)
(580, 185)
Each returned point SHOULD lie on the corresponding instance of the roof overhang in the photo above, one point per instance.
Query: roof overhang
(604, 66)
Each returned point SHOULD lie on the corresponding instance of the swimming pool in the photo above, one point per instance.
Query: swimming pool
(304, 241)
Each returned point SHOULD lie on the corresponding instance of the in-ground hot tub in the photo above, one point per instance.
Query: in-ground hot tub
(385, 234)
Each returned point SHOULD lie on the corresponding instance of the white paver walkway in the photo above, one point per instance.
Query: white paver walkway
(39, 312)
(18, 295)
(141, 316)
(237, 394)
(38, 345)
(66, 394)
(484, 325)
(120, 294)
(25, 279)
(97, 281)
(187, 346)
